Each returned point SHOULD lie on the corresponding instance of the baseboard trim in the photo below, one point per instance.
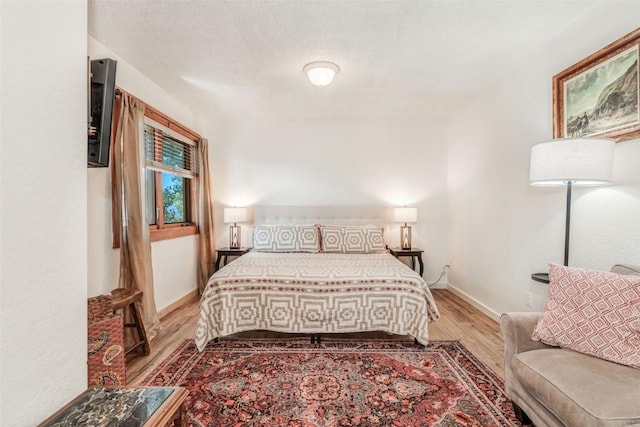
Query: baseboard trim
(187, 298)
(474, 302)
(440, 286)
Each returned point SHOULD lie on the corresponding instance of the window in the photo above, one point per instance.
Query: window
(171, 172)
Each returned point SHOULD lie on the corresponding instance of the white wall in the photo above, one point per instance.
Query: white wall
(502, 229)
(335, 162)
(43, 208)
(174, 261)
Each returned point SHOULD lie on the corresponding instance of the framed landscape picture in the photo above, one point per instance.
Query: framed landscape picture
(598, 96)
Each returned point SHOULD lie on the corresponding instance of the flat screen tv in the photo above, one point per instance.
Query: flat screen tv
(101, 96)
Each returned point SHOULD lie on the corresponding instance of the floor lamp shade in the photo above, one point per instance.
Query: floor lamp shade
(570, 162)
(235, 215)
(581, 161)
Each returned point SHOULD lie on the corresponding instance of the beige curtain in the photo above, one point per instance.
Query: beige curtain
(129, 206)
(206, 242)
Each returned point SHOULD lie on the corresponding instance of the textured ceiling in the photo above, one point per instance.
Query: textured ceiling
(398, 59)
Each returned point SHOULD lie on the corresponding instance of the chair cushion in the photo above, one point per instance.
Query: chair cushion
(580, 390)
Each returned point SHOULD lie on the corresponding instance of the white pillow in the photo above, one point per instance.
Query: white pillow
(352, 239)
(286, 238)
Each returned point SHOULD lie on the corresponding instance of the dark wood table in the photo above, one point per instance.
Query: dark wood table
(130, 406)
(414, 253)
(540, 277)
(225, 253)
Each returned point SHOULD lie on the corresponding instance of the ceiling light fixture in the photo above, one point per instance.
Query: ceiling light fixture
(321, 73)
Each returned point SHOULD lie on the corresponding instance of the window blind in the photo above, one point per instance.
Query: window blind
(167, 153)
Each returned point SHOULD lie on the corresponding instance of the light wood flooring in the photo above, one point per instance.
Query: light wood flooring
(459, 320)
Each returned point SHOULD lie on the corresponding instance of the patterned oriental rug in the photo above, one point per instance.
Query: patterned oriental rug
(339, 383)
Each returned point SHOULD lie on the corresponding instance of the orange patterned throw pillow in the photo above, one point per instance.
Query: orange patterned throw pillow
(592, 312)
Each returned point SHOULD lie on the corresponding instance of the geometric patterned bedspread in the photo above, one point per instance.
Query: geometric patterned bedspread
(315, 293)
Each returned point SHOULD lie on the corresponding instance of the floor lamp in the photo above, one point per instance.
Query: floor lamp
(571, 162)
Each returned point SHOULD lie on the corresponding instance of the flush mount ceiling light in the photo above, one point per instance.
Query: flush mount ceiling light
(321, 73)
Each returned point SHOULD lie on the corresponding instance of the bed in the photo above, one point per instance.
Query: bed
(316, 279)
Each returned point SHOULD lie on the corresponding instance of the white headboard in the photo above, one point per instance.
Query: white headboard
(332, 215)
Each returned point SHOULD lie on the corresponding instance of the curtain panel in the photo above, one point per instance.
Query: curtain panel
(206, 242)
(128, 194)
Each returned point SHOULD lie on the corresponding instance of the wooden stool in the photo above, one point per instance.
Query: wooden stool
(123, 298)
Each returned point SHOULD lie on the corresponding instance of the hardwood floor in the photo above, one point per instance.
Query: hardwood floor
(459, 320)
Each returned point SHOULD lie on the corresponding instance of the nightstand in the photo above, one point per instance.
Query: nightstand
(227, 252)
(414, 253)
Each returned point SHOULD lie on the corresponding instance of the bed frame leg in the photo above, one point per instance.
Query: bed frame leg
(216, 339)
(315, 339)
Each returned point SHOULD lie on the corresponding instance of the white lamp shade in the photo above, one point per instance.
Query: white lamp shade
(235, 215)
(405, 214)
(321, 73)
(581, 161)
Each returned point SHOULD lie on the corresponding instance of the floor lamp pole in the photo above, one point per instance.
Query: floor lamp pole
(567, 225)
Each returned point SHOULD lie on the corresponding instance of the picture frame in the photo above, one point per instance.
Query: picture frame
(599, 96)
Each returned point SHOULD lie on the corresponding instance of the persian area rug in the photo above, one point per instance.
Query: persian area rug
(339, 383)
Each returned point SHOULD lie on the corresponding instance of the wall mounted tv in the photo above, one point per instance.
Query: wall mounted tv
(101, 96)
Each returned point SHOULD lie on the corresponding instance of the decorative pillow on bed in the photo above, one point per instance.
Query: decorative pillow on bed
(351, 239)
(592, 312)
(286, 238)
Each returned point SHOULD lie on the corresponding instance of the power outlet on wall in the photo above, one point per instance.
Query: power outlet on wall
(529, 299)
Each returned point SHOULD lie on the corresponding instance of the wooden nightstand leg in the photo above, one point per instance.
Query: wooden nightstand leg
(218, 258)
(421, 265)
(413, 262)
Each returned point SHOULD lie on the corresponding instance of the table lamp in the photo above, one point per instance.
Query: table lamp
(235, 215)
(571, 162)
(405, 215)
